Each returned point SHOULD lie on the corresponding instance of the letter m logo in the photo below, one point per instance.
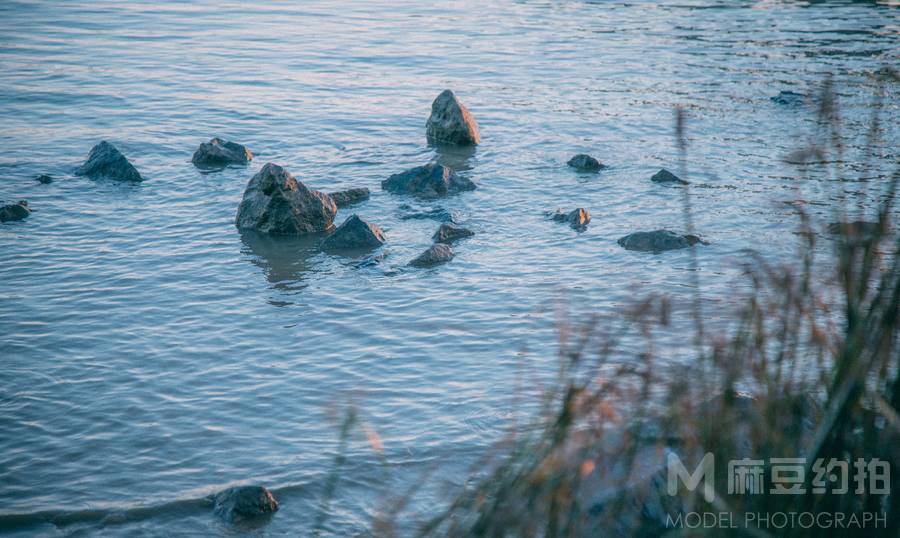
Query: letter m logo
(705, 472)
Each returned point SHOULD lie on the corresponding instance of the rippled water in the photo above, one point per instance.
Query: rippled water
(150, 355)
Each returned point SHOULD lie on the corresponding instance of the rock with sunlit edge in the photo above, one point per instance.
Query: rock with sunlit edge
(105, 161)
(218, 153)
(244, 503)
(276, 203)
(354, 233)
(577, 218)
(451, 123)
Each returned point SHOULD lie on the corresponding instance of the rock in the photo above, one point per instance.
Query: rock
(664, 176)
(585, 163)
(437, 253)
(16, 211)
(429, 181)
(447, 233)
(372, 261)
(789, 98)
(276, 203)
(349, 196)
(218, 153)
(577, 218)
(243, 503)
(435, 213)
(658, 241)
(859, 231)
(106, 161)
(451, 123)
(44, 178)
(354, 233)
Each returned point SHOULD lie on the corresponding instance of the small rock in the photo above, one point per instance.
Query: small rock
(451, 123)
(789, 98)
(276, 203)
(219, 153)
(354, 233)
(585, 163)
(658, 241)
(16, 211)
(435, 213)
(243, 503)
(664, 176)
(372, 261)
(349, 196)
(447, 233)
(106, 161)
(437, 253)
(577, 218)
(44, 178)
(429, 181)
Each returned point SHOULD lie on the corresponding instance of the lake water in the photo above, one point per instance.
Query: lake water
(150, 355)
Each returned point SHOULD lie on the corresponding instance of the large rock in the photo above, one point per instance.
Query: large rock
(451, 123)
(349, 196)
(106, 161)
(585, 163)
(276, 203)
(578, 218)
(664, 176)
(447, 233)
(16, 211)
(243, 503)
(436, 254)
(219, 153)
(429, 181)
(658, 241)
(354, 233)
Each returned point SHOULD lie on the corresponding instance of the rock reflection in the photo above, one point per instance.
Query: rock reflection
(456, 158)
(284, 260)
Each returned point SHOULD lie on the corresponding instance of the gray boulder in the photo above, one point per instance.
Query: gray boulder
(243, 503)
(578, 218)
(585, 163)
(436, 254)
(658, 241)
(354, 233)
(276, 203)
(16, 211)
(218, 153)
(451, 123)
(447, 233)
(44, 178)
(349, 196)
(664, 176)
(105, 161)
(429, 181)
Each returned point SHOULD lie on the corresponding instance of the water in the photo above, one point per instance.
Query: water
(151, 355)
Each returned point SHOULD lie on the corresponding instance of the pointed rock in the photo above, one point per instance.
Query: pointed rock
(106, 161)
(349, 196)
(276, 203)
(447, 233)
(578, 218)
(659, 241)
(664, 176)
(16, 211)
(451, 123)
(585, 163)
(429, 181)
(437, 253)
(243, 503)
(354, 233)
(219, 153)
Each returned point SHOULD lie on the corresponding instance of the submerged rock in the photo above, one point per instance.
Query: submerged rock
(451, 122)
(436, 254)
(664, 176)
(429, 181)
(447, 233)
(354, 233)
(276, 203)
(585, 163)
(44, 178)
(16, 211)
(219, 153)
(244, 503)
(349, 196)
(577, 218)
(789, 98)
(658, 241)
(106, 161)
(435, 213)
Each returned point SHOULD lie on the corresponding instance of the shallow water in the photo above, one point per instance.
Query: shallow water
(151, 355)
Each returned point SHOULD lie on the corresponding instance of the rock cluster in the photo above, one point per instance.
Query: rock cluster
(578, 218)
